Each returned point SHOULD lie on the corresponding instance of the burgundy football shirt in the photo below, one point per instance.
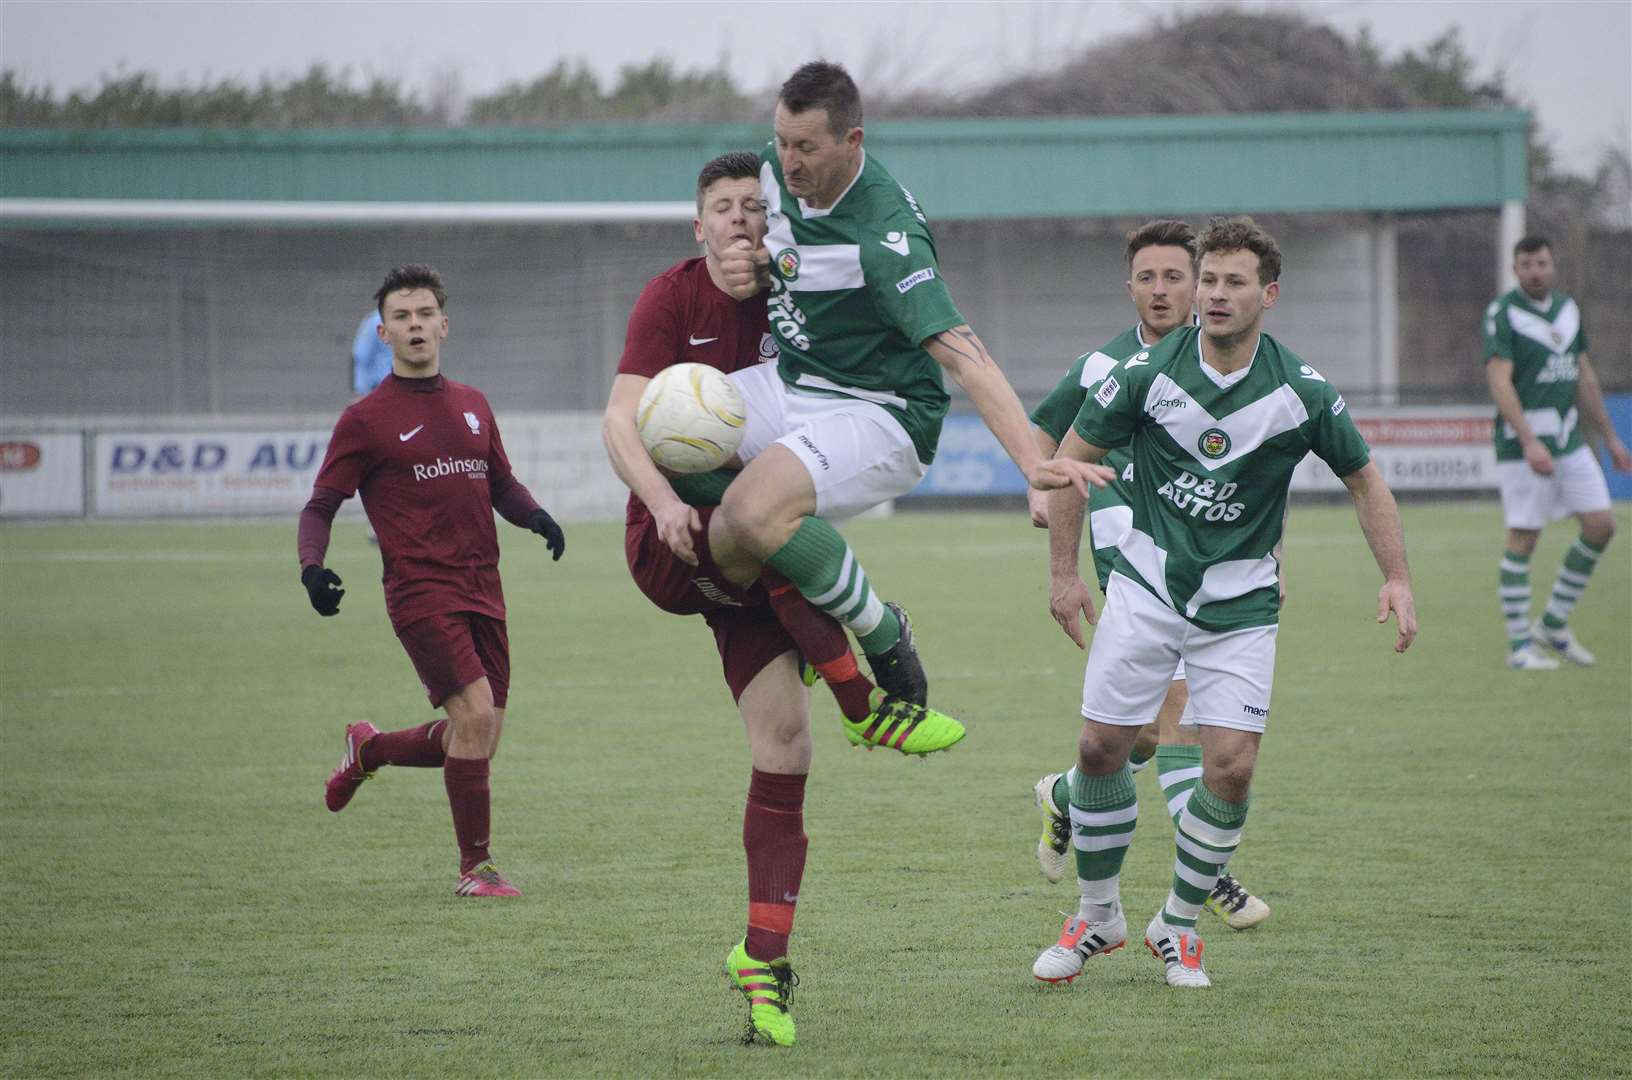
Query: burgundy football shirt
(426, 456)
(682, 316)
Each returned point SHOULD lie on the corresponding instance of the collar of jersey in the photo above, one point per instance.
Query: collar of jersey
(1224, 382)
(419, 386)
(807, 213)
(1544, 310)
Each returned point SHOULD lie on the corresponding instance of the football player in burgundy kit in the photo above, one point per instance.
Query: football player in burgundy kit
(762, 625)
(425, 454)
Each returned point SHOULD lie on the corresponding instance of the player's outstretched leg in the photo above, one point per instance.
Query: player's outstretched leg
(368, 750)
(768, 986)
(344, 781)
(823, 645)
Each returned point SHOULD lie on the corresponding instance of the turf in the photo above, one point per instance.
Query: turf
(1445, 844)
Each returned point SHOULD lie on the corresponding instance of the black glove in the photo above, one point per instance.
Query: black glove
(544, 525)
(323, 587)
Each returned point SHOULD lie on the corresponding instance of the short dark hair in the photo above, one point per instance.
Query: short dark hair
(822, 85)
(411, 276)
(737, 165)
(1532, 244)
(1163, 232)
(1226, 234)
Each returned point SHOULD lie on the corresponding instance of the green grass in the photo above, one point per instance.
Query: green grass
(1445, 844)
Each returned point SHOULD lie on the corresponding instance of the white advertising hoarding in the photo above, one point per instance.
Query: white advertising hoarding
(42, 475)
(160, 473)
(558, 456)
(1418, 449)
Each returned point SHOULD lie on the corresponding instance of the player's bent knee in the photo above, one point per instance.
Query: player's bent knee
(1102, 748)
(1598, 529)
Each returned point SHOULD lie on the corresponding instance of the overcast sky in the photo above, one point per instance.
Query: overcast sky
(1570, 59)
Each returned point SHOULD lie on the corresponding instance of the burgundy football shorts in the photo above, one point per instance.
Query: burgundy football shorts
(746, 632)
(452, 651)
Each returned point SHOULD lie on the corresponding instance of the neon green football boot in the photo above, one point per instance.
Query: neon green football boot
(901, 725)
(768, 986)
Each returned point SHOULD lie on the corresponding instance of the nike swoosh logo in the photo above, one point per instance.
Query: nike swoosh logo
(405, 436)
(701, 340)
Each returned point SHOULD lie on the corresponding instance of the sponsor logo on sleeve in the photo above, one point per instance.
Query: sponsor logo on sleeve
(912, 281)
(1338, 406)
(1107, 391)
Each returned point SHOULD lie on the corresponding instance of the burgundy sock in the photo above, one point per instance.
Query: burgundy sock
(821, 639)
(773, 834)
(416, 747)
(466, 781)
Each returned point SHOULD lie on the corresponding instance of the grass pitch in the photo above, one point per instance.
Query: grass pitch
(1445, 844)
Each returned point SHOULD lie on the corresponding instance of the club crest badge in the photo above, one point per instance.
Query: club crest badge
(787, 263)
(767, 347)
(474, 424)
(1214, 443)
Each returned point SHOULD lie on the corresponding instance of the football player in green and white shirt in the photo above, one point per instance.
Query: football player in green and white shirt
(1217, 418)
(849, 416)
(1161, 258)
(1544, 385)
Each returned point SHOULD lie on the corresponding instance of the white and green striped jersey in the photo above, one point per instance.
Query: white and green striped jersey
(1109, 514)
(1213, 457)
(855, 291)
(1544, 342)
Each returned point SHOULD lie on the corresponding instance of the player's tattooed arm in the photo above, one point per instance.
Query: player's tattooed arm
(959, 345)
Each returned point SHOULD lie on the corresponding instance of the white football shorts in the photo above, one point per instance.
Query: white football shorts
(857, 454)
(1531, 501)
(1137, 647)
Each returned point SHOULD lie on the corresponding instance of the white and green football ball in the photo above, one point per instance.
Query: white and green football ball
(691, 418)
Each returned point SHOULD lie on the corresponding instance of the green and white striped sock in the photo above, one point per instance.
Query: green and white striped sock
(824, 569)
(1209, 830)
(1514, 593)
(1571, 582)
(1104, 811)
(1178, 769)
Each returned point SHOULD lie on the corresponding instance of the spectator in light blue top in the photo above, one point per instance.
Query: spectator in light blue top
(370, 356)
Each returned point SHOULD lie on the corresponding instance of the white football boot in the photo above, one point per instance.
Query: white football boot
(1239, 909)
(1529, 657)
(1062, 961)
(1562, 641)
(1179, 950)
(1054, 847)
